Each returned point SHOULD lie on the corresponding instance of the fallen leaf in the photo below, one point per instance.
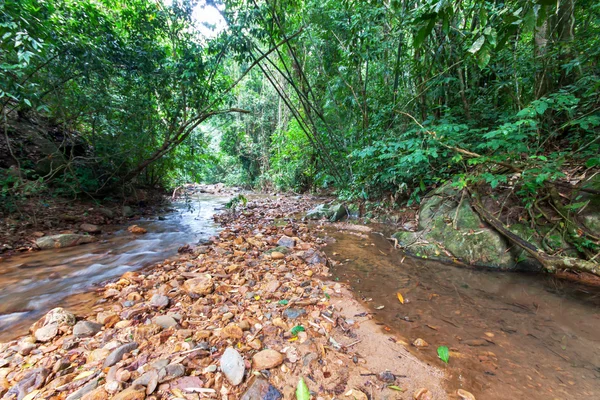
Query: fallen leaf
(400, 297)
(302, 392)
(394, 387)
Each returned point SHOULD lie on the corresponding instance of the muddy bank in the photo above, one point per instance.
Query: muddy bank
(253, 310)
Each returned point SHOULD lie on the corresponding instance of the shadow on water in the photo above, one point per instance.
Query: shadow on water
(33, 283)
(510, 335)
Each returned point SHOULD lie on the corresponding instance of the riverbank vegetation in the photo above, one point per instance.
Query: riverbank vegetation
(377, 101)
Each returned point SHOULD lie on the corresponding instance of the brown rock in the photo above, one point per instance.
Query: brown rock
(138, 230)
(277, 255)
(200, 286)
(90, 228)
(420, 343)
(232, 331)
(135, 392)
(96, 394)
(266, 359)
(272, 286)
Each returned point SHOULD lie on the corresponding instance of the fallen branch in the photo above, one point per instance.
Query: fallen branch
(550, 263)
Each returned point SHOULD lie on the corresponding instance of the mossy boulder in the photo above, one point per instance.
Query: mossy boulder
(450, 229)
(333, 212)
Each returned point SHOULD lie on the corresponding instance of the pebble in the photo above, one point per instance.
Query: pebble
(90, 228)
(423, 394)
(46, 333)
(165, 321)
(261, 389)
(117, 354)
(232, 331)
(86, 329)
(159, 301)
(286, 241)
(135, 392)
(200, 286)
(277, 255)
(293, 313)
(267, 359)
(138, 230)
(233, 366)
(420, 343)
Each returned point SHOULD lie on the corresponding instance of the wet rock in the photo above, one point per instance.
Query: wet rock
(165, 321)
(63, 240)
(261, 389)
(117, 354)
(286, 241)
(135, 392)
(475, 342)
(138, 230)
(423, 394)
(200, 286)
(420, 343)
(464, 395)
(338, 211)
(267, 359)
(233, 366)
(86, 329)
(159, 301)
(46, 333)
(90, 228)
(312, 257)
(293, 313)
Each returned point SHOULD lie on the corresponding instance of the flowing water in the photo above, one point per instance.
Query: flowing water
(510, 335)
(33, 283)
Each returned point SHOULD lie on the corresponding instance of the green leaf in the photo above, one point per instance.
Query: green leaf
(302, 392)
(476, 46)
(423, 32)
(541, 107)
(483, 58)
(283, 302)
(297, 329)
(443, 354)
(394, 387)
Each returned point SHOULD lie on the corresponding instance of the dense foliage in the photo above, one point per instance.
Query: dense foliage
(372, 98)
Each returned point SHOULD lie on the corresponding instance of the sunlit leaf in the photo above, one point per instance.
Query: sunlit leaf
(302, 392)
(400, 298)
(443, 354)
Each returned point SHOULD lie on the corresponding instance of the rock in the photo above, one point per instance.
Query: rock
(387, 377)
(420, 343)
(232, 331)
(355, 394)
(32, 380)
(464, 395)
(63, 240)
(90, 228)
(313, 257)
(277, 255)
(286, 241)
(233, 366)
(423, 394)
(475, 342)
(293, 313)
(272, 286)
(338, 211)
(88, 388)
(319, 212)
(466, 238)
(86, 329)
(186, 382)
(172, 371)
(261, 389)
(96, 394)
(164, 321)
(200, 286)
(135, 392)
(46, 333)
(127, 212)
(117, 354)
(159, 301)
(138, 230)
(267, 359)
(108, 213)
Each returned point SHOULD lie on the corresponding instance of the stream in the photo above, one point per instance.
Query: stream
(510, 335)
(33, 283)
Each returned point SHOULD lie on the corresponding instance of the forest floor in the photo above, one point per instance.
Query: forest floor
(244, 316)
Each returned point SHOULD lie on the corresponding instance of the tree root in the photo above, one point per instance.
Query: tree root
(550, 263)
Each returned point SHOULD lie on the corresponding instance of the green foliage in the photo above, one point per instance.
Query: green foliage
(443, 354)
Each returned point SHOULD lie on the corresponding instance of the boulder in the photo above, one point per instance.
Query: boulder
(333, 212)
(63, 240)
(450, 229)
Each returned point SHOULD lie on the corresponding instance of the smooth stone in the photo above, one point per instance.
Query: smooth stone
(233, 366)
(172, 371)
(90, 228)
(117, 354)
(63, 240)
(286, 241)
(267, 359)
(159, 301)
(86, 329)
(293, 313)
(165, 321)
(46, 333)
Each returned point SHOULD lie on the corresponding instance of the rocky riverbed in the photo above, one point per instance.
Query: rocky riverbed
(245, 316)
